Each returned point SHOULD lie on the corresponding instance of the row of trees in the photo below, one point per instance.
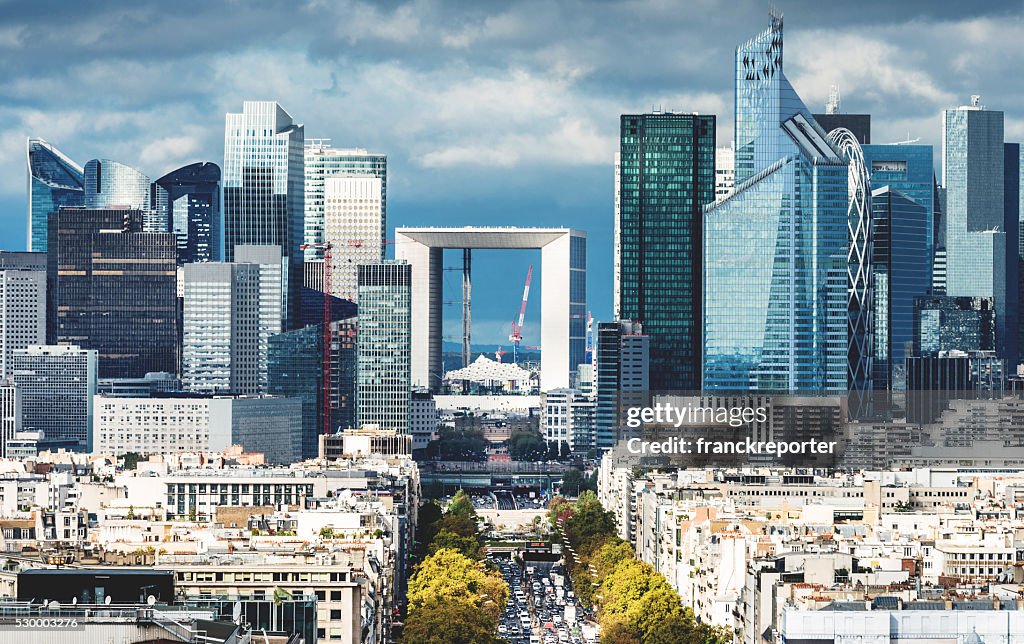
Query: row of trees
(635, 604)
(454, 596)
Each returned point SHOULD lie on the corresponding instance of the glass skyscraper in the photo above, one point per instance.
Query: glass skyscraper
(54, 181)
(981, 254)
(187, 203)
(109, 184)
(230, 312)
(666, 174)
(910, 169)
(901, 268)
(114, 290)
(384, 345)
(263, 187)
(295, 370)
(775, 251)
(323, 161)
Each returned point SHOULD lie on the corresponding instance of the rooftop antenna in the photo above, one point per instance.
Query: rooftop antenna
(832, 106)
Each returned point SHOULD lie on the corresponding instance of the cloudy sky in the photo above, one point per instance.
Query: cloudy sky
(500, 113)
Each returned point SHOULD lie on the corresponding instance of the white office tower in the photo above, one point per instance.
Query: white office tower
(353, 221)
(725, 172)
(22, 312)
(323, 161)
(423, 418)
(10, 414)
(230, 311)
(567, 416)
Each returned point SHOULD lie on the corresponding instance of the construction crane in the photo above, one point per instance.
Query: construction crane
(500, 352)
(326, 341)
(516, 337)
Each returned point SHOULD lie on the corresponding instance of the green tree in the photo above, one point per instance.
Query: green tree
(449, 576)
(461, 505)
(131, 460)
(448, 622)
(468, 546)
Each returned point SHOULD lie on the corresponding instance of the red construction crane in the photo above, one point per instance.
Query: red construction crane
(325, 403)
(516, 337)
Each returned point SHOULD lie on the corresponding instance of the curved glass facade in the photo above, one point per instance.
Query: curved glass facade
(775, 278)
(109, 184)
(54, 181)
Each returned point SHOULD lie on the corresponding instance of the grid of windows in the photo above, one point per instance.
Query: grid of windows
(322, 162)
(383, 348)
(666, 176)
(775, 280)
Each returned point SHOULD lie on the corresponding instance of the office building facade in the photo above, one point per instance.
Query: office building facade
(22, 311)
(323, 161)
(858, 124)
(54, 182)
(384, 345)
(266, 424)
(187, 203)
(981, 242)
(902, 273)
(909, 169)
(567, 418)
(57, 385)
(10, 414)
(295, 369)
(263, 187)
(622, 359)
(943, 323)
(114, 289)
(776, 267)
(725, 172)
(230, 311)
(353, 214)
(114, 185)
(666, 176)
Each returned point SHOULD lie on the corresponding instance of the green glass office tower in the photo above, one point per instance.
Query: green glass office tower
(666, 174)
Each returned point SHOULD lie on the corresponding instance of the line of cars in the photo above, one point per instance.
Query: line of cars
(555, 606)
(514, 624)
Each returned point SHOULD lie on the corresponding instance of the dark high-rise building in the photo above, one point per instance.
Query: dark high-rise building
(943, 323)
(114, 290)
(901, 269)
(859, 124)
(666, 174)
(343, 373)
(187, 201)
(54, 182)
(264, 189)
(933, 381)
(622, 359)
(295, 370)
(1013, 208)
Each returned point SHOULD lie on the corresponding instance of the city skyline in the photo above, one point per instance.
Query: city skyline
(533, 131)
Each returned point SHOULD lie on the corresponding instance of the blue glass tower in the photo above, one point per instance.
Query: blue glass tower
(909, 169)
(776, 251)
(54, 181)
(901, 267)
(981, 258)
